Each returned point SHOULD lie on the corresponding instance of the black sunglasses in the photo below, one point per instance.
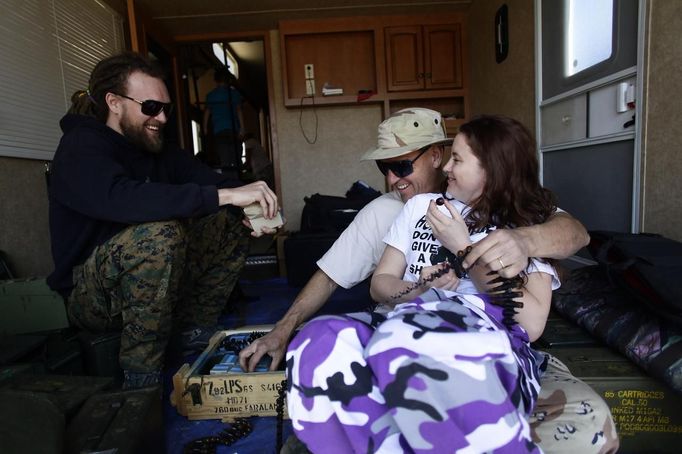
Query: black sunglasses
(402, 168)
(151, 107)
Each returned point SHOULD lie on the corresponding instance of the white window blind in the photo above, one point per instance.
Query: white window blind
(47, 50)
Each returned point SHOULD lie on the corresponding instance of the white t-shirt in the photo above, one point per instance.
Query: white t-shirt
(356, 253)
(411, 235)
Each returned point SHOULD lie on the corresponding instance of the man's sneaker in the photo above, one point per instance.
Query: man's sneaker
(135, 380)
(197, 338)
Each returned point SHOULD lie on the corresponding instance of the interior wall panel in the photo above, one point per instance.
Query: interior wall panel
(593, 183)
(24, 234)
(332, 163)
(508, 87)
(662, 143)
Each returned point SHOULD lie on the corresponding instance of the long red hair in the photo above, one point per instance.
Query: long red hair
(512, 195)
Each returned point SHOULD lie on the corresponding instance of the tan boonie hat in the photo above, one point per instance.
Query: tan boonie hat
(408, 130)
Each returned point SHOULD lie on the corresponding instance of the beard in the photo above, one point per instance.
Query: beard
(140, 136)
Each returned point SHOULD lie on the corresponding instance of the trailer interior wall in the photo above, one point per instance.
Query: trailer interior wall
(508, 87)
(662, 182)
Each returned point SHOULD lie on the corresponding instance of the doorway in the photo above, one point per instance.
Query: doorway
(247, 110)
(589, 108)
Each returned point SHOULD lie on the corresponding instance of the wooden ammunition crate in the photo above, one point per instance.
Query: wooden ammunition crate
(198, 394)
(647, 413)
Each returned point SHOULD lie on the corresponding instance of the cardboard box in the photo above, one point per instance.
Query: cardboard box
(228, 394)
(647, 413)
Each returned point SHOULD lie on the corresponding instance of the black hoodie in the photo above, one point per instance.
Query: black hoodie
(100, 184)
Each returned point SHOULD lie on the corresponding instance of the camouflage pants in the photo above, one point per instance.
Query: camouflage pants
(150, 275)
(365, 383)
(570, 416)
(436, 375)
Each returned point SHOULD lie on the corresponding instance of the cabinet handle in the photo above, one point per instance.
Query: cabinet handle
(427, 75)
(420, 75)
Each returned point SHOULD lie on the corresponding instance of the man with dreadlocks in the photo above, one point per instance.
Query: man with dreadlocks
(142, 233)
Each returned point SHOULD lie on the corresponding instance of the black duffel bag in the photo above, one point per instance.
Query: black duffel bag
(648, 266)
(329, 214)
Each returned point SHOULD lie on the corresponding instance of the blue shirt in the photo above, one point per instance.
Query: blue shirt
(222, 116)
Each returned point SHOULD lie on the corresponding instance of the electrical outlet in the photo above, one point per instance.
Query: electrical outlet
(309, 71)
(310, 87)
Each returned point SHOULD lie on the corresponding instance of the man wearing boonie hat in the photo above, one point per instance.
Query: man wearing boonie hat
(410, 150)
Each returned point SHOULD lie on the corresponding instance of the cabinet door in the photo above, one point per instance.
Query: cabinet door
(443, 56)
(404, 58)
(564, 121)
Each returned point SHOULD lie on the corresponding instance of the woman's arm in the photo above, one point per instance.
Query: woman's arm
(537, 290)
(536, 299)
(389, 288)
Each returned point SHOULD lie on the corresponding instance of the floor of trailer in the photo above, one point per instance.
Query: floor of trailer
(267, 301)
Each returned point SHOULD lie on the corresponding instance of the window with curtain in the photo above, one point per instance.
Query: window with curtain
(47, 49)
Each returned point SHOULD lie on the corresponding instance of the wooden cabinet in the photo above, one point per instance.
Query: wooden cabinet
(341, 59)
(443, 56)
(403, 61)
(404, 58)
(423, 57)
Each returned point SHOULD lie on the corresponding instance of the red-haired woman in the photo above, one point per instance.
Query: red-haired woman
(450, 367)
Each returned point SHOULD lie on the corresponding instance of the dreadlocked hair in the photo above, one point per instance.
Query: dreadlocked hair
(110, 76)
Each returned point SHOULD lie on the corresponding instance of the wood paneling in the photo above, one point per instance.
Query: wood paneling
(342, 59)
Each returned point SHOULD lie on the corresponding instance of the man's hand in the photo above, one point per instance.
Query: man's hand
(503, 250)
(259, 233)
(313, 296)
(508, 250)
(274, 344)
(255, 221)
(257, 192)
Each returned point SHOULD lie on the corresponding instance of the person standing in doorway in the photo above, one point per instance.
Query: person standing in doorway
(224, 110)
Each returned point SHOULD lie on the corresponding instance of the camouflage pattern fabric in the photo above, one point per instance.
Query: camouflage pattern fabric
(613, 315)
(151, 274)
(569, 417)
(436, 375)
